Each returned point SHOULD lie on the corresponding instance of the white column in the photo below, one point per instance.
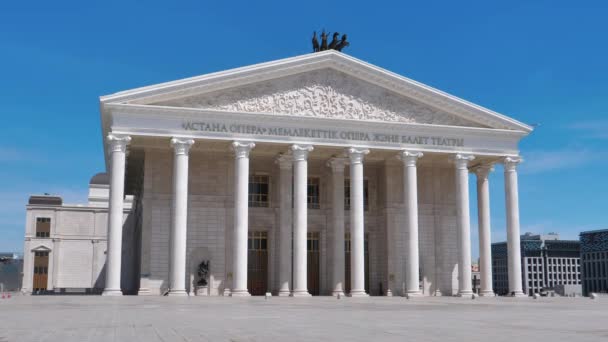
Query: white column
(483, 221)
(337, 179)
(513, 243)
(357, 222)
(285, 216)
(241, 217)
(117, 146)
(179, 219)
(463, 222)
(410, 198)
(300, 165)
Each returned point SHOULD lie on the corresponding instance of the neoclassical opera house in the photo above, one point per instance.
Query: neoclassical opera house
(314, 175)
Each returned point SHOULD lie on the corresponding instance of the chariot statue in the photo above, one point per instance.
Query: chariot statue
(335, 44)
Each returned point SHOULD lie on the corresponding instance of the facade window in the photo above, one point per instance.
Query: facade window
(43, 227)
(257, 241)
(347, 194)
(313, 198)
(259, 188)
(312, 241)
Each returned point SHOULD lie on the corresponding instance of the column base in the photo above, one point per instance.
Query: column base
(488, 293)
(466, 293)
(112, 292)
(301, 293)
(358, 294)
(177, 293)
(144, 292)
(284, 293)
(519, 294)
(240, 293)
(413, 294)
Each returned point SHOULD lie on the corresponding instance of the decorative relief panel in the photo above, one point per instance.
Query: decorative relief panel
(322, 93)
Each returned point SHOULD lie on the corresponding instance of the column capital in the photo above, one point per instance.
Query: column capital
(300, 152)
(510, 163)
(409, 158)
(483, 170)
(181, 146)
(337, 164)
(118, 142)
(285, 161)
(242, 148)
(356, 154)
(461, 160)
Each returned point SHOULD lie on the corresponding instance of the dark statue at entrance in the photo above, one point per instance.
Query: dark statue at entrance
(202, 272)
(335, 44)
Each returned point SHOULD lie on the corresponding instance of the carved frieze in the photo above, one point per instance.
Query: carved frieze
(324, 93)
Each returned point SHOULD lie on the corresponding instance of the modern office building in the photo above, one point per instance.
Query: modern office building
(546, 263)
(317, 174)
(594, 257)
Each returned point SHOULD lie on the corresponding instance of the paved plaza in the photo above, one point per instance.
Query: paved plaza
(95, 318)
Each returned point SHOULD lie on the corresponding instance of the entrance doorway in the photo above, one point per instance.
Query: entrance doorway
(41, 271)
(313, 263)
(257, 263)
(347, 263)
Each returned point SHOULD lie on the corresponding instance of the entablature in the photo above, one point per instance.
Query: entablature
(169, 122)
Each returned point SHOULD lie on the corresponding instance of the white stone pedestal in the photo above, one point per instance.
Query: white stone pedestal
(202, 290)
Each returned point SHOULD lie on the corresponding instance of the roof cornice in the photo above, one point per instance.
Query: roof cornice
(185, 112)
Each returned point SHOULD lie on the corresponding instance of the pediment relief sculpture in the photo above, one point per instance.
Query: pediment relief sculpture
(324, 93)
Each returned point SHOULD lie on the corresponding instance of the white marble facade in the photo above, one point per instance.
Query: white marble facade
(186, 150)
(210, 221)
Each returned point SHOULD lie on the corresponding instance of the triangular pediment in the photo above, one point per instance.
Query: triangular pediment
(41, 248)
(328, 84)
(323, 93)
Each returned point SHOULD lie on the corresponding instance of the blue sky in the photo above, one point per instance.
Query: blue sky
(541, 62)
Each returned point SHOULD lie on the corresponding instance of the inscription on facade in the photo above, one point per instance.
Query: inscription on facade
(331, 134)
